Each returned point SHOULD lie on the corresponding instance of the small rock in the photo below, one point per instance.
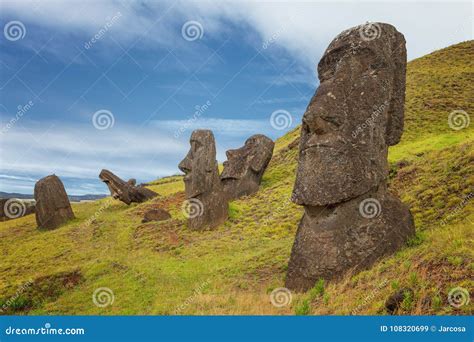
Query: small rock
(156, 215)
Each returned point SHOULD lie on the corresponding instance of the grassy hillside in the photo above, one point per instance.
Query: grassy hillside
(164, 268)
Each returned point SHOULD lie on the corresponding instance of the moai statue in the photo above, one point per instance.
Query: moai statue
(245, 166)
(52, 204)
(350, 218)
(206, 205)
(127, 192)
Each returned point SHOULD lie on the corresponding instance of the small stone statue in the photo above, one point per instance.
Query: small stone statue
(245, 166)
(206, 205)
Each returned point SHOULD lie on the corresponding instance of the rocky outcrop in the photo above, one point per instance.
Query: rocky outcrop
(245, 166)
(350, 219)
(126, 192)
(52, 204)
(206, 205)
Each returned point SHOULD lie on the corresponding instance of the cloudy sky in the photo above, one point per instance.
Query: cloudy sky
(87, 85)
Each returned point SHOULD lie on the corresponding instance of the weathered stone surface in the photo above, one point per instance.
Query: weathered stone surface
(156, 215)
(245, 166)
(127, 192)
(355, 114)
(12, 208)
(206, 204)
(52, 204)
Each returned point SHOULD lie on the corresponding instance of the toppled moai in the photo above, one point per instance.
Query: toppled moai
(126, 192)
(350, 219)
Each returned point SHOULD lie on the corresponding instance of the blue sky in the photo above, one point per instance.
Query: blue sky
(158, 70)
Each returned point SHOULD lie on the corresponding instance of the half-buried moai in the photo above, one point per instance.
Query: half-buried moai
(52, 204)
(206, 205)
(126, 192)
(350, 218)
(245, 166)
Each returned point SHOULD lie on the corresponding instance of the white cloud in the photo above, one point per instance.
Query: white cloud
(302, 28)
(229, 127)
(78, 152)
(81, 151)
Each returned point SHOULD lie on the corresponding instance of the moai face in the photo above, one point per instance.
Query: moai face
(200, 165)
(252, 158)
(355, 114)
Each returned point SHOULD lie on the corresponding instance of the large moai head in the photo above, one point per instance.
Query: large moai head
(200, 164)
(355, 114)
(245, 166)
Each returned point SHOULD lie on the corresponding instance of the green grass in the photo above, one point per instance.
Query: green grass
(165, 268)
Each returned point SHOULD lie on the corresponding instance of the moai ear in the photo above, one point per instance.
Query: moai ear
(396, 109)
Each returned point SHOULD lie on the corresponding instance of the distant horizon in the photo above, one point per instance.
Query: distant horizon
(123, 87)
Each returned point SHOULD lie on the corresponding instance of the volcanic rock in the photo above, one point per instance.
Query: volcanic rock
(350, 219)
(52, 204)
(206, 205)
(156, 215)
(245, 166)
(126, 192)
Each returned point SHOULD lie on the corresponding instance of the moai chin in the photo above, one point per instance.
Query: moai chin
(206, 205)
(350, 218)
(245, 166)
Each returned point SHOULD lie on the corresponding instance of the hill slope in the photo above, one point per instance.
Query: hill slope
(164, 268)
